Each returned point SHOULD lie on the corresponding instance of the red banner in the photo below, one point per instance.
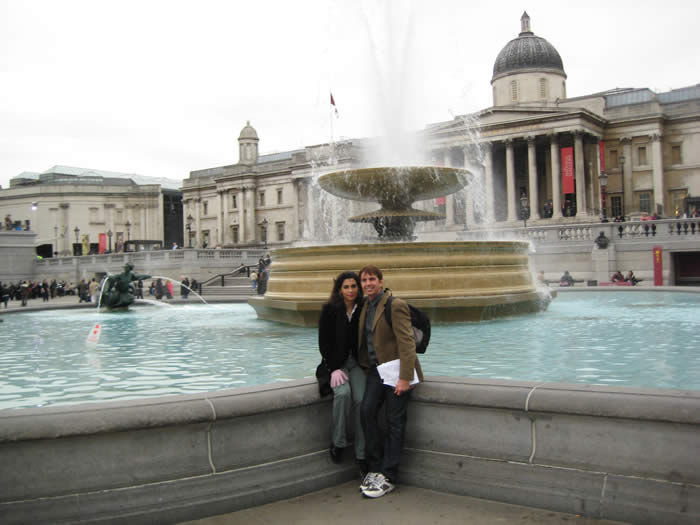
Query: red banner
(658, 266)
(102, 247)
(440, 201)
(567, 170)
(601, 144)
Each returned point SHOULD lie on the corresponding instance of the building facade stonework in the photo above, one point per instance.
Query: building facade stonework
(645, 144)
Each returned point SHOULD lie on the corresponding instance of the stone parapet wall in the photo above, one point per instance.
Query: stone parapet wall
(604, 452)
(200, 264)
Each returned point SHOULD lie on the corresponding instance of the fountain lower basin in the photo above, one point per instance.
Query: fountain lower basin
(451, 281)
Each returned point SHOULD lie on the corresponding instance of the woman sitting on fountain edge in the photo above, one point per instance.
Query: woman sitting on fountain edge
(337, 341)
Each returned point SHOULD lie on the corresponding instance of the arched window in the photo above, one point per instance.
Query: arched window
(543, 88)
(514, 90)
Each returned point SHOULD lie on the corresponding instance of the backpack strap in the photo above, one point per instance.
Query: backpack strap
(387, 311)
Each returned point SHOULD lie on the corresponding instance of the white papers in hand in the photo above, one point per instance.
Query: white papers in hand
(389, 372)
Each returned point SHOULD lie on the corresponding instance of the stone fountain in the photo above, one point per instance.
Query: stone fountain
(452, 281)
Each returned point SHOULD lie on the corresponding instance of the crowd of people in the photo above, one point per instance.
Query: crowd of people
(259, 277)
(87, 291)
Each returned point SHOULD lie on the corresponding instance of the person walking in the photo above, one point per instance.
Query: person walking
(379, 343)
(337, 342)
(93, 288)
(254, 279)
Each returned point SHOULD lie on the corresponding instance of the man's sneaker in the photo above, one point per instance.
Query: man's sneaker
(367, 482)
(379, 486)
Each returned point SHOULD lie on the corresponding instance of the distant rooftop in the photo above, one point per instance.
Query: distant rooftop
(638, 96)
(71, 175)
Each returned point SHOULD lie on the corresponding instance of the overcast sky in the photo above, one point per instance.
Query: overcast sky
(161, 88)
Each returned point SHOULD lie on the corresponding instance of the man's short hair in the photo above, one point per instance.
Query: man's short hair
(371, 269)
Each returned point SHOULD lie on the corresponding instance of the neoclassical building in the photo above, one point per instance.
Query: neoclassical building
(74, 211)
(535, 154)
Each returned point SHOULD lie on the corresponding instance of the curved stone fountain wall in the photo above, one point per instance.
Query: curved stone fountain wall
(603, 452)
(451, 281)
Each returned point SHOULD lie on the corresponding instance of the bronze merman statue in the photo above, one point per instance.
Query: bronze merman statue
(119, 290)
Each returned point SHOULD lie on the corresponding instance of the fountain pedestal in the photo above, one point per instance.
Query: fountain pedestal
(450, 281)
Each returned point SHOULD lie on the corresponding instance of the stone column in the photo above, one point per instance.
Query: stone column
(65, 228)
(580, 175)
(657, 154)
(241, 216)
(488, 182)
(599, 190)
(142, 223)
(510, 181)
(627, 195)
(251, 228)
(197, 221)
(220, 218)
(532, 178)
(296, 192)
(556, 176)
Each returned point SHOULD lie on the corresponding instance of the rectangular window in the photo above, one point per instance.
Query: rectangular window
(514, 90)
(205, 207)
(615, 206)
(205, 238)
(642, 156)
(120, 217)
(234, 201)
(262, 198)
(280, 231)
(676, 154)
(678, 202)
(93, 215)
(543, 88)
(645, 202)
(612, 161)
(279, 196)
(263, 233)
(234, 234)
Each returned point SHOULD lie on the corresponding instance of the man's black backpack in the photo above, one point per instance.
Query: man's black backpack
(419, 321)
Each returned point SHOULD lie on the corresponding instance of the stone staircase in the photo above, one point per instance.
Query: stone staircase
(238, 286)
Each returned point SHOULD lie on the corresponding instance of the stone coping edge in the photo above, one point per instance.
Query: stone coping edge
(675, 406)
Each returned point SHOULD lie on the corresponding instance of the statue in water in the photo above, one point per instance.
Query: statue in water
(119, 290)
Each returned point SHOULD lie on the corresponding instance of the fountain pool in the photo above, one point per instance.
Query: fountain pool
(639, 339)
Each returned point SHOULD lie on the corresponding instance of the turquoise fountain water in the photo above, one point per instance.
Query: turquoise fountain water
(644, 339)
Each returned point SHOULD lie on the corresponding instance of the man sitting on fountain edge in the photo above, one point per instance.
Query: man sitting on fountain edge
(380, 343)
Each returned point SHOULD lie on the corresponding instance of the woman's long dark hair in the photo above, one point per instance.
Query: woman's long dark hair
(336, 297)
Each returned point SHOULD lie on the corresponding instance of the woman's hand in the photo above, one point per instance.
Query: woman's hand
(338, 377)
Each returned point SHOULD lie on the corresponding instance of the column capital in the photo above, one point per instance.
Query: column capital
(580, 132)
(508, 141)
(108, 205)
(656, 137)
(553, 136)
(64, 205)
(530, 139)
(626, 140)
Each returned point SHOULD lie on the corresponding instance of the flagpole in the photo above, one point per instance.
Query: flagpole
(330, 117)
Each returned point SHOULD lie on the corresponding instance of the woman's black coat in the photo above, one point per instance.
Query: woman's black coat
(337, 337)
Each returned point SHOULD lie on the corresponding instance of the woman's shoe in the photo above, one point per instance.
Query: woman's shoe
(336, 454)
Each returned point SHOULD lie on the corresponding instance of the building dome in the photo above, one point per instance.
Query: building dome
(248, 132)
(527, 53)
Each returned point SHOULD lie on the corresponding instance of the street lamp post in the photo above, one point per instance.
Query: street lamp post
(603, 179)
(264, 232)
(189, 230)
(109, 236)
(524, 209)
(55, 235)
